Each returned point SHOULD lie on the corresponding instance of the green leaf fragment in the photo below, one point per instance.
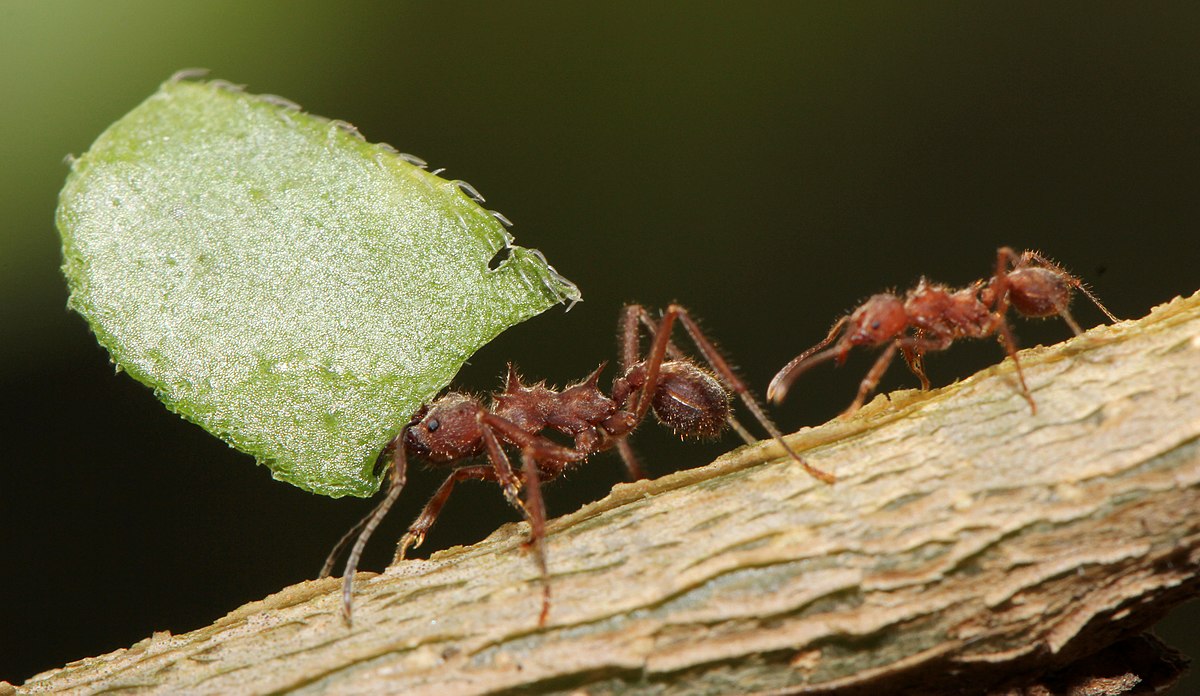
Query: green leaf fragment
(292, 289)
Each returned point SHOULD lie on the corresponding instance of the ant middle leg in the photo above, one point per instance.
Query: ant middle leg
(535, 514)
(916, 364)
(535, 449)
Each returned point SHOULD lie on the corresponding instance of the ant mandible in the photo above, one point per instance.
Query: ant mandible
(1029, 282)
(685, 397)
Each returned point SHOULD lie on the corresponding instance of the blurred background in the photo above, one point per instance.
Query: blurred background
(769, 166)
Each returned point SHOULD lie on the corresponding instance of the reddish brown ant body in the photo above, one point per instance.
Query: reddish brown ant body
(937, 316)
(455, 427)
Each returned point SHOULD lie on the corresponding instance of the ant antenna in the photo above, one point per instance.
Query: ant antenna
(369, 523)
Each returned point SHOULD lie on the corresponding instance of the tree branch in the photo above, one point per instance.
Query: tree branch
(966, 541)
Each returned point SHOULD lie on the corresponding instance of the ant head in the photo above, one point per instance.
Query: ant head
(690, 401)
(880, 319)
(447, 429)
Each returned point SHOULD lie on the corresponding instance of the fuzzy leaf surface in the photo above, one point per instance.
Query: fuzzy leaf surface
(290, 287)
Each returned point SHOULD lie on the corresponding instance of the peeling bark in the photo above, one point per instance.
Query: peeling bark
(967, 542)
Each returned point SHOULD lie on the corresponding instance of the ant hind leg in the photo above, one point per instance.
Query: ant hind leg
(631, 460)
(1010, 345)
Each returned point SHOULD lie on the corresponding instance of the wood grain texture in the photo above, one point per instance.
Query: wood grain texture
(965, 542)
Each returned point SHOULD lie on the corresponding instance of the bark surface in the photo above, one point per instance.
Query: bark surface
(966, 542)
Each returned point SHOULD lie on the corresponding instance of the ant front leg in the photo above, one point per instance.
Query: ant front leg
(913, 348)
(868, 383)
(331, 559)
(415, 536)
(500, 471)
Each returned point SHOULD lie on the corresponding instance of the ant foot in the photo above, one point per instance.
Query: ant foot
(410, 540)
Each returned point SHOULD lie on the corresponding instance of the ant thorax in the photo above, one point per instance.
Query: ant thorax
(526, 407)
(939, 311)
(581, 410)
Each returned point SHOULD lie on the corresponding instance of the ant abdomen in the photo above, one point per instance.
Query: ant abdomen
(1036, 291)
(690, 401)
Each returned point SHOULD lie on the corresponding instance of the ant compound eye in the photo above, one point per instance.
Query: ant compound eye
(433, 424)
(875, 325)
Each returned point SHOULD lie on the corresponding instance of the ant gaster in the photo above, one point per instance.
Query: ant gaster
(1029, 282)
(455, 427)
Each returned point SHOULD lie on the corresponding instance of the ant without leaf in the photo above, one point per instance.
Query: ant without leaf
(685, 397)
(1030, 283)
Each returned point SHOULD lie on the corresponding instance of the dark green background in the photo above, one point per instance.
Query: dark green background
(769, 166)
